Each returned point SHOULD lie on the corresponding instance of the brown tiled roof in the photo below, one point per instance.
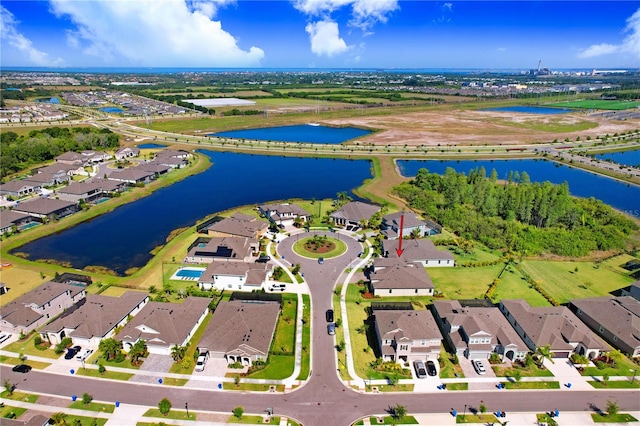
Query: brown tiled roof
(242, 328)
(9, 217)
(96, 315)
(43, 206)
(79, 188)
(239, 224)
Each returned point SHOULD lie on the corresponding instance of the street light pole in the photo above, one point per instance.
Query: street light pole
(464, 414)
(186, 406)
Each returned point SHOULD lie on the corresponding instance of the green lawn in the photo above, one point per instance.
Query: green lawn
(514, 286)
(285, 335)
(253, 420)
(173, 414)
(177, 367)
(306, 339)
(299, 248)
(624, 367)
(532, 371)
(458, 386)
(20, 396)
(28, 347)
(464, 283)
(614, 384)
(476, 418)
(598, 104)
(279, 367)
(618, 418)
(92, 406)
(15, 361)
(7, 411)
(114, 375)
(563, 282)
(480, 254)
(388, 420)
(449, 370)
(531, 385)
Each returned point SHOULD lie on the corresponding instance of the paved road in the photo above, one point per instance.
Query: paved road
(324, 399)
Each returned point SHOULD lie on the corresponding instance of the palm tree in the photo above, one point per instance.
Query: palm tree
(110, 347)
(544, 352)
(178, 352)
(138, 350)
(59, 418)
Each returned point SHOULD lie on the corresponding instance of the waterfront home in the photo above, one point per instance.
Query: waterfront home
(127, 152)
(420, 251)
(86, 191)
(94, 318)
(231, 248)
(477, 332)
(132, 176)
(283, 214)
(47, 208)
(18, 188)
(353, 214)
(407, 335)
(237, 276)
(412, 225)
(173, 153)
(154, 167)
(615, 319)
(395, 277)
(239, 225)
(39, 306)
(11, 221)
(555, 326)
(164, 325)
(241, 331)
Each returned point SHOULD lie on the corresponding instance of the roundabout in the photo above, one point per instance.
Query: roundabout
(319, 246)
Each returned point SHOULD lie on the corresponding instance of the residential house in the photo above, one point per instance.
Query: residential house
(72, 158)
(283, 214)
(420, 251)
(164, 325)
(19, 188)
(93, 157)
(241, 331)
(26, 420)
(237, 276)
(127, 152)
(615, 319)
(39, 306)
(230, 248)
(11, 221)
(395, 277)
(86, 191)
(60, 169)
(46, 179)
(47, 208)
(407, 335)
(633, 290)
(477, 332)
(353, 213)
(154, 167)
(239, 225)
(94, 318)
(412, 225)
(555, 326)
(132, 176)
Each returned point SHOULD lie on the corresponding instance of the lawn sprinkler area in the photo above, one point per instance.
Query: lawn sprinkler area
(319, 246)
(187, 274)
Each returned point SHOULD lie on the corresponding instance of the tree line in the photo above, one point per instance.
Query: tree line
(517, 215)
(19, 152)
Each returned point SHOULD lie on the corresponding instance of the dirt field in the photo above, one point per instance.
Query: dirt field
(482, 128)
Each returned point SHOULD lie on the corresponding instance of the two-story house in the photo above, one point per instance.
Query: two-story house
(283, 214)
(407, 335)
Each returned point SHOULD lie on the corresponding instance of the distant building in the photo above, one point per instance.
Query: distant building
(239, 225)
(353, 213)
(240, 249)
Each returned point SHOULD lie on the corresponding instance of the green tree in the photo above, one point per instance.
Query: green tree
(59, 418)
(110, 347)
(544, 352)
(86, 398)
(399, 411)
(612, 408)
(178, 352)
(164, 406)
(138, 351)
(8, 386)
(101, 368)
(482, 408)
(238, 412)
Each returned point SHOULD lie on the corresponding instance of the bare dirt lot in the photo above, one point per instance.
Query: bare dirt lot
(483, 128)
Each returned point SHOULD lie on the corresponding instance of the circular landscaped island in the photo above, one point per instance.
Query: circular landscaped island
(318, 246)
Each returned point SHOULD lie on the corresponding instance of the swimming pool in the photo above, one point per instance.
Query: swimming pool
(188, 274)
(29, 225)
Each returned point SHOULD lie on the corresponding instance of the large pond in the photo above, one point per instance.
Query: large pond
(620, 195)
(111, 110)
(124, 238)
(530, 109)
(626, 158)
(304, 133)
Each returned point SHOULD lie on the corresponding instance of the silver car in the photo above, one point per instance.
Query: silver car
(421, 371)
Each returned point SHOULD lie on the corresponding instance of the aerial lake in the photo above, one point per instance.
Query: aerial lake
(530, 109)
(626, 158)
(124, 238)
(304, 133)
(622, 196)
(112, 110)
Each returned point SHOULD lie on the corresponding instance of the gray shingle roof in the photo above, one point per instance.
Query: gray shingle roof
(406, 325)
(401, 275)
(355, 211)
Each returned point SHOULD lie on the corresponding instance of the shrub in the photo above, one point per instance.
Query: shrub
(238, 412)
(164, 406)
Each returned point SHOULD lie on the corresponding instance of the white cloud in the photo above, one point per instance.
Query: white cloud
(325, 38)
(155, 33)
(501, 49)
(364, 15)
(10, 34)
(630, 45)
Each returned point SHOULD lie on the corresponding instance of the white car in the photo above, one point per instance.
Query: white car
(201, 362)
(278, 287)
(84, 354)
(479, 367)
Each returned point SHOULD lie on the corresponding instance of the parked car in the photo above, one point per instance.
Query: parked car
(329, 315)
(263, 259)
(431, 368)
(277, 287)
(71, 352)
(82, 355)
(421, 372)
(321, 260)
(331, 329)
(479, 367)
(201, 361)
(21, 368)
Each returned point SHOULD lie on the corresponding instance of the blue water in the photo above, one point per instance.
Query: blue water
(530, 109)
(190, 273)
(151, 146)
(626, 158)
(620, 195)
(304, 133)
(53, 100)
(124, 238)
(112, 110)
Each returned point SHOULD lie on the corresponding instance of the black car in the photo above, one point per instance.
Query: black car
(263, 259)
(431, 368)
(71, 352)
(21, 368)
(329, 315)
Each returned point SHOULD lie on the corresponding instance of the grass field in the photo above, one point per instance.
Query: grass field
(573, 280)
(598, 104)
(464, 283)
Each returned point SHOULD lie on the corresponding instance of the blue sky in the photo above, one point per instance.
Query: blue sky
(320, 33)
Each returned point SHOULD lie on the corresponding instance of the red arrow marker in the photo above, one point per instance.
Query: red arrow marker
(399, 249)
